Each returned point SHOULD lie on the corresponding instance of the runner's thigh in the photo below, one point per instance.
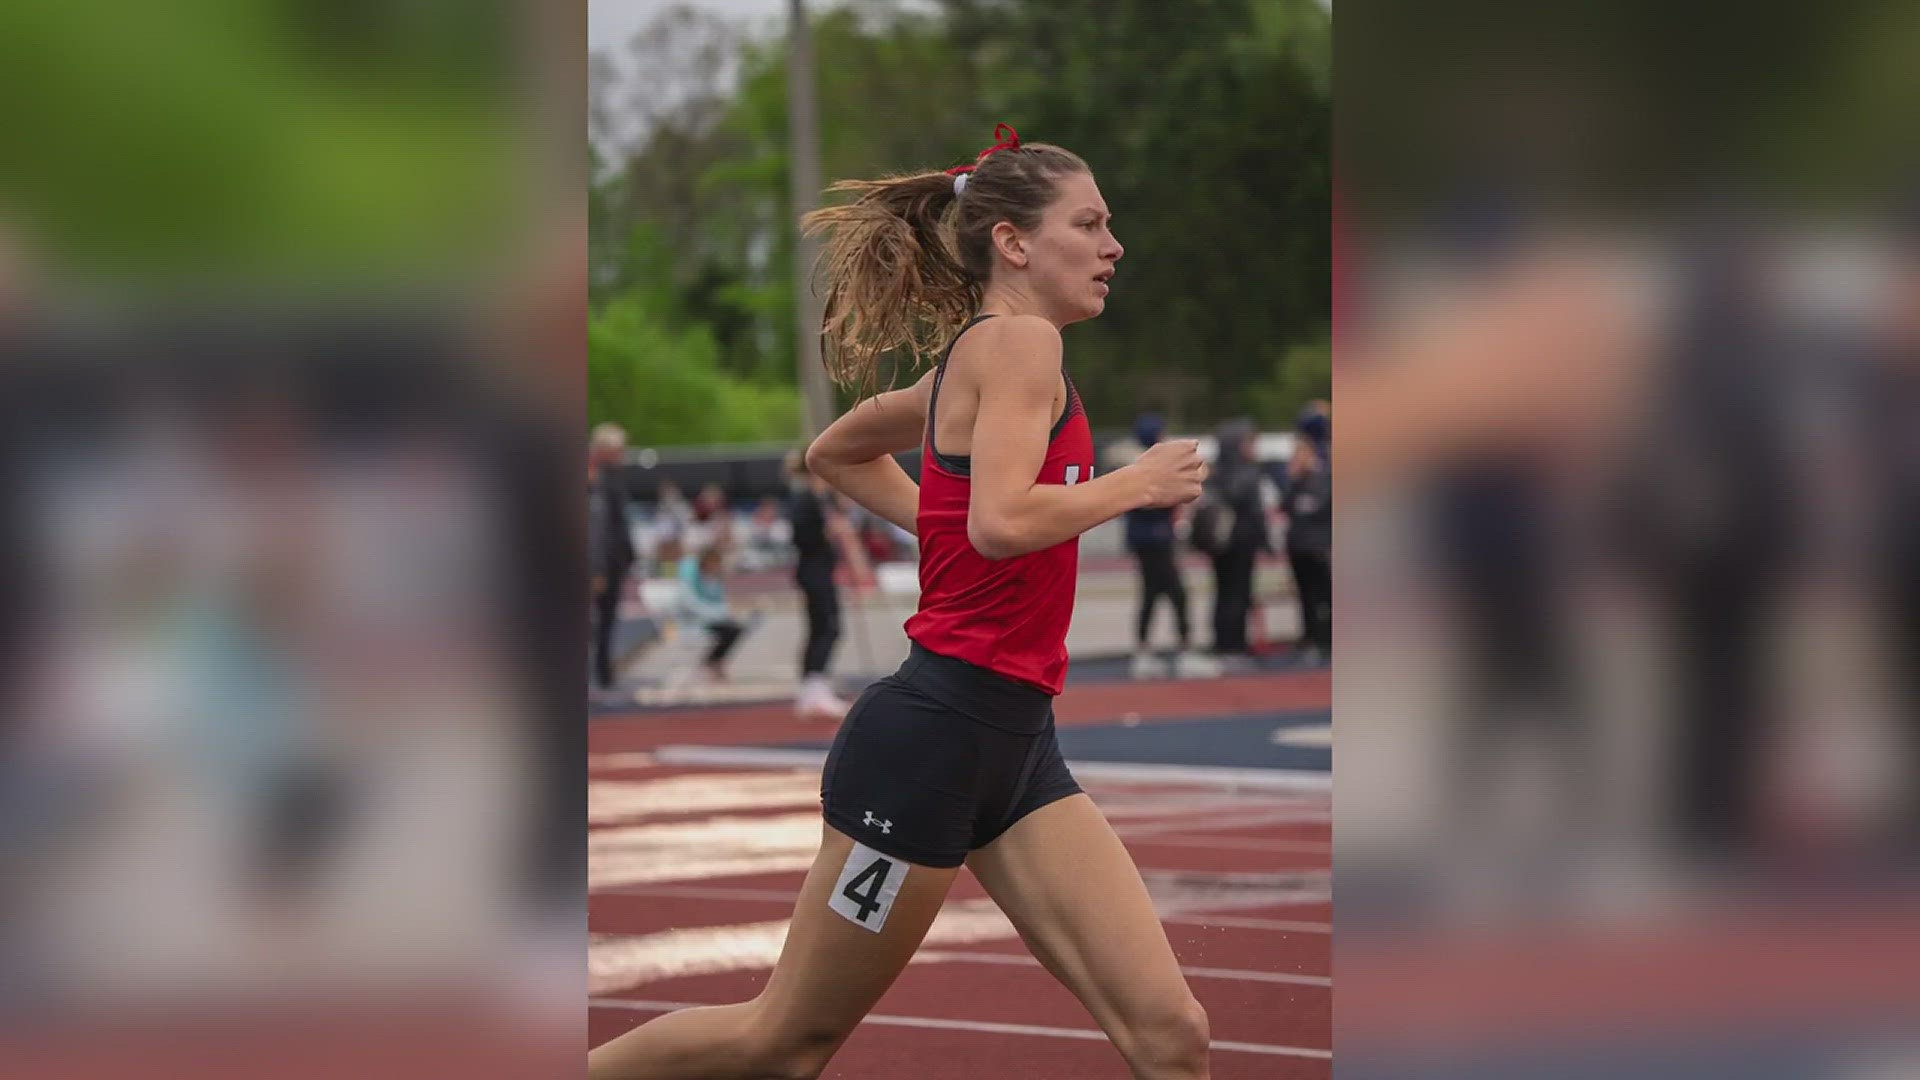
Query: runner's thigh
(1068, 885)
(835, 964)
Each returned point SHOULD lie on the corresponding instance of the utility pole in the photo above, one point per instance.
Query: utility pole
(803, 155)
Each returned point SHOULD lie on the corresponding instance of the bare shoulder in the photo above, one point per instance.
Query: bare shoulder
(1022, 350)
(1028, 336)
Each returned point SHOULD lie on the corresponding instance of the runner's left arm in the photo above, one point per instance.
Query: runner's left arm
(855, 454)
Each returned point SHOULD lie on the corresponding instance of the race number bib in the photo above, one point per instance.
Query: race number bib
(868, 883)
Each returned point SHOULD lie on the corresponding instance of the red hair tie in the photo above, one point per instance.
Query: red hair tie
(1004, 138)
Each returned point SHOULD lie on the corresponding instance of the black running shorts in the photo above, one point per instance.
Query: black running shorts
(940, 758)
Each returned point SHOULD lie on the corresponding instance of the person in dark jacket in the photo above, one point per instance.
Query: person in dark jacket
(1150, 537)
(1316, 426)
(1308, 501)
(609, 543)
(817, 526)
(1235, 488)
(1887, 392)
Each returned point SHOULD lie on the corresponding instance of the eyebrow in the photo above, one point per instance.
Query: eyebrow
(1095, 211)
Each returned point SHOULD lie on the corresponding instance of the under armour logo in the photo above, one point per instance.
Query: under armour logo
(885, 826)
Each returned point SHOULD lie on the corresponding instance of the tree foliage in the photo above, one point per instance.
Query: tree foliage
(663, 380)
(1207, 124)
(241, 138)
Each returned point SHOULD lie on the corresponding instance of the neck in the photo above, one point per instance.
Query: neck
(1013, 298)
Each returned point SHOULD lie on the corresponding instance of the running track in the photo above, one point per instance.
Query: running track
(694, 871)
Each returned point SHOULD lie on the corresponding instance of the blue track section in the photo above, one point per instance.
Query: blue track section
(1243, 742)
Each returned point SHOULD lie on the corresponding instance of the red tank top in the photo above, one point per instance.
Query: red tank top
(1009, 616)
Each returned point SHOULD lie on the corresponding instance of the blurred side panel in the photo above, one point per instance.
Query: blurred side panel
(1629, 730)
(292, 302)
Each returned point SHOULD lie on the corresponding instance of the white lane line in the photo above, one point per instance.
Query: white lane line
(1121, 803)
(783, 896)
(1285, 926)
(625, 760)
(1294, 847)
(616, 801)
(789, 896)
(989, 1027)
(937, 956)
(1283, 780)
(710, 847)
(1215, 887)
(1214, 819)
(618, 963)
(1313, 736)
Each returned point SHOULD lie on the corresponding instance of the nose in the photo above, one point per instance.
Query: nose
(1114, 250)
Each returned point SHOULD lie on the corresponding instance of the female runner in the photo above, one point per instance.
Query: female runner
(952, 759)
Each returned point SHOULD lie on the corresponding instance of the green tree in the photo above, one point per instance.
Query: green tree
(664, 383)
(1208, 125)
(1302, 374)
(239, 138)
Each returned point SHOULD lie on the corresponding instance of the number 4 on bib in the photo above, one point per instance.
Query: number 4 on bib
(868, 883)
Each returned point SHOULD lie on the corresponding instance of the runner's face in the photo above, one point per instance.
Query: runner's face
(1074, 251)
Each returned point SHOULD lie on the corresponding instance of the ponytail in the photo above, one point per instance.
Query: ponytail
(908, 260)
(895, 281)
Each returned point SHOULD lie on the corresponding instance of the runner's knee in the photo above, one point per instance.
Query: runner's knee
(798, 1054)
(1169, 1041)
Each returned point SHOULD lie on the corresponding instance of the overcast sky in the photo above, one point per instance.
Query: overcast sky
(614, 22)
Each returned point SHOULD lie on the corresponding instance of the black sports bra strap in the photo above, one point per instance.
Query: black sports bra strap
(962, 464)
(940, 374)
(1066, 412)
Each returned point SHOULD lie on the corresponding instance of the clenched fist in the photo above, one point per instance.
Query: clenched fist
(1171, 473)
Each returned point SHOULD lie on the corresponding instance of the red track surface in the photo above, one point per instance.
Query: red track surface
(1261, 965)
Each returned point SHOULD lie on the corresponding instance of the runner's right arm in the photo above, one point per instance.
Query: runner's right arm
(1011, 514)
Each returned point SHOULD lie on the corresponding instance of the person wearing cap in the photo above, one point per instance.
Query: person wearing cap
(610, 552)
(817, 526)
(1235, 486)
(1150, 537)
(1307, 499)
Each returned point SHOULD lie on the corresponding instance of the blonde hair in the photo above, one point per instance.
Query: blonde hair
(608, 436)
(907, 260)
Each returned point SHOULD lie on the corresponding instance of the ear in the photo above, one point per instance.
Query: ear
(1008, 241)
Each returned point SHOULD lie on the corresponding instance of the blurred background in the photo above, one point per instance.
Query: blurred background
(1627, 715)
(291, 357)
